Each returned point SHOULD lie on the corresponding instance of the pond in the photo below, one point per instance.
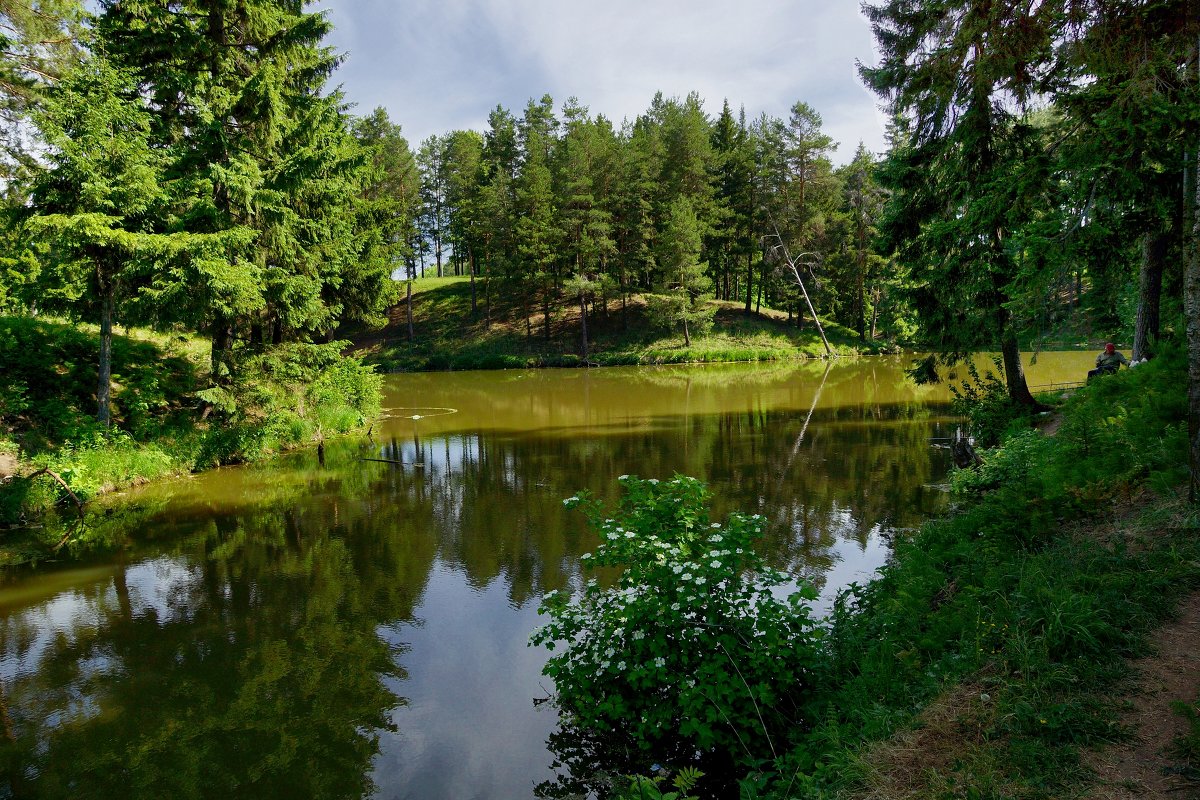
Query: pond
(359, 627)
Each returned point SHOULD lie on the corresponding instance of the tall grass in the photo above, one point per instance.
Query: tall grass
(1063, 554)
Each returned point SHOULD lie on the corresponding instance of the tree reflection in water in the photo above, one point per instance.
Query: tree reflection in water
(245, 644)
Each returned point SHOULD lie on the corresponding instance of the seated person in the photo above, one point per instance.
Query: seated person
(1108, 361)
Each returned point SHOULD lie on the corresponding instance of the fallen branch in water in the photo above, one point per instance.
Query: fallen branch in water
(388, 461)
(78, 503)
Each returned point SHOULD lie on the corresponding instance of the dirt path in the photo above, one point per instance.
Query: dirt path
(1142, 767)
(8, 465)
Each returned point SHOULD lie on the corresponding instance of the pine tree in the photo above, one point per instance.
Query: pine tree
(731, 239)
(236, 89)
(685, 285)
(585, 222)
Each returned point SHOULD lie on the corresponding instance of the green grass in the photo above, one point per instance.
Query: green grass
(1034, 595)
(447, 335)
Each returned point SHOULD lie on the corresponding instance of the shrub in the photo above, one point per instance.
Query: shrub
(984, 401)
(691, 654)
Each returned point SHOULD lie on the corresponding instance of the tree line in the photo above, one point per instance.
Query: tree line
(192, 167)
(186, 164)
(570, 209)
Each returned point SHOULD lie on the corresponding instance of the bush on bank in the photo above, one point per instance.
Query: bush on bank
(691, 658)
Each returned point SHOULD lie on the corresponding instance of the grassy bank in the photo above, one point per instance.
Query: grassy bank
(1005, 630)
(168, 416)
(448, 335)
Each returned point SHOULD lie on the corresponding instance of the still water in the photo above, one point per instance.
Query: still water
(359, 628)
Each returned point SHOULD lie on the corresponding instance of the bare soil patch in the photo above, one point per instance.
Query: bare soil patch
(911, 763)
(1143, 767)
(8, 465)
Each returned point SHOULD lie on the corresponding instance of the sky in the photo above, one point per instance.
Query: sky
(442, 65)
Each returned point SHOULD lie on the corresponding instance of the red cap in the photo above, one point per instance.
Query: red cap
(1109, 347)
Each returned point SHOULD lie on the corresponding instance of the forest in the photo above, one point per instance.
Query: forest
(189, 167)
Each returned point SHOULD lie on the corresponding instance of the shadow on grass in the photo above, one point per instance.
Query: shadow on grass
(50, 370)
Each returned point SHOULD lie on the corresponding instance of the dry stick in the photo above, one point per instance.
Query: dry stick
(78, 503)
(796, 272)
(732, 727)
(750, 692)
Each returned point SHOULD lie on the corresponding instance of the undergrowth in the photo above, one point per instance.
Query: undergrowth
(449, 335)
(1017, 592)
(169, 417)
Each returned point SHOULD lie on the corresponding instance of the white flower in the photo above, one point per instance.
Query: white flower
(585, 556)
(620, 666)
(677, 569)
(629, 534)
(652, 481)
(612, 535)
(715, 525)
(674, 606)
(714, 553)
(687, 576)
(715, 564)
(660, 662)
(638, 636)
(622, 477)
(701, 579)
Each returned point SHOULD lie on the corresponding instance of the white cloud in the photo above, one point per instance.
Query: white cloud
(436, 65)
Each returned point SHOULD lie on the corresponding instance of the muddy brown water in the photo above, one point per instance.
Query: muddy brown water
(359, 628)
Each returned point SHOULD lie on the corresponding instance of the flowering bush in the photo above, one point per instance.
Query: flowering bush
(691, 654)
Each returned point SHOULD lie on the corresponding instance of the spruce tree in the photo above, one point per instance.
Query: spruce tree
(954, 71)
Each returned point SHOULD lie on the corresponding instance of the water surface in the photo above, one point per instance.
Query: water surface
(359, 628)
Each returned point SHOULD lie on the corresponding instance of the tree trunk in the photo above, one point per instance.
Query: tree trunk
(1014, 373)
(749, 282)
(474, 303)
(875, 298)
(583, 323)
(762, 279)
(408, 297)
(222, 341)
(1154, 255)
(487, 302)
(687, 339)
(862, 303)
(256, 332)
(104, 389)
(1191, 304)
(1191, 290)
(277, 331)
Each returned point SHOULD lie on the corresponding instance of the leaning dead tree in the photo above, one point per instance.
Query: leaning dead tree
(794, 264)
